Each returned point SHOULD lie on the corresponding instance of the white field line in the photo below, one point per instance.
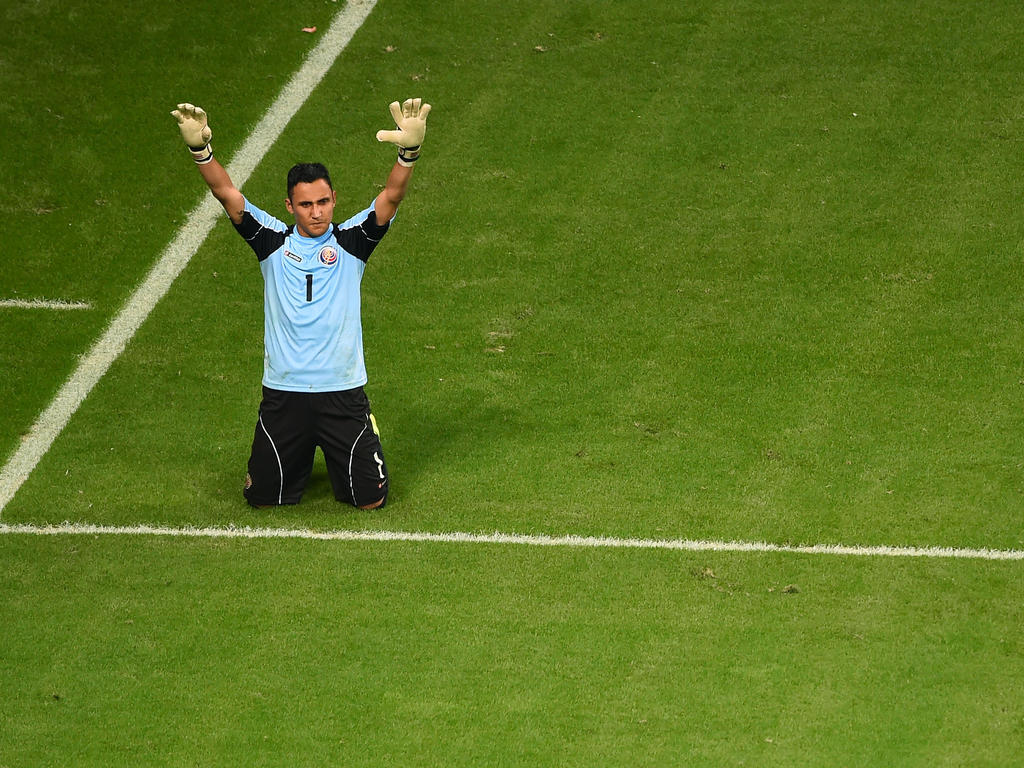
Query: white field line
(177, 254)
(43, 304)
(687, 545)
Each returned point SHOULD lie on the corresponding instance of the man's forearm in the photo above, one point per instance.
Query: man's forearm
(393, 193)
(220, 184)
(216, 178)
(398, 183)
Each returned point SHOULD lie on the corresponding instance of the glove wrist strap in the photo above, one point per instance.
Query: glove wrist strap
(408, 155)
(202, 155)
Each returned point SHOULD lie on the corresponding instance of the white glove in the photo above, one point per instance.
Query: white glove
(195, 130)
(411, 120)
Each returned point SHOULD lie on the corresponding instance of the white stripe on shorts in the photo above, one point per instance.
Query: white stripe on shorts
(351, 457)
(280, 469)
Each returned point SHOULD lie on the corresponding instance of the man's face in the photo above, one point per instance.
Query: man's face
(312, 205)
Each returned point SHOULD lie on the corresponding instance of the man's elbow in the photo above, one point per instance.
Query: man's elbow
(394, 195)
(232, 202)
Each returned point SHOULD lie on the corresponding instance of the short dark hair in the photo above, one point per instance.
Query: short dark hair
(307, 173)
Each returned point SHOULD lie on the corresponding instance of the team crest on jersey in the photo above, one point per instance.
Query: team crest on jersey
(293, 256)
(328, 256)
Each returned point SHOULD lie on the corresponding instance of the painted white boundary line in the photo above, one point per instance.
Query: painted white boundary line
(192, 234)
(85, 529)
(43, 304)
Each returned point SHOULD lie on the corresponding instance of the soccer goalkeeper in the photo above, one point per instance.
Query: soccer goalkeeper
(313, 371)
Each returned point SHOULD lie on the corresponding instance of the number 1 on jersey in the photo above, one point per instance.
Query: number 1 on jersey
(309, 287)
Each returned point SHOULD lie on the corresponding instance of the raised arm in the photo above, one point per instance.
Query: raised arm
(411, 125)
(195, 130)
(387, 201)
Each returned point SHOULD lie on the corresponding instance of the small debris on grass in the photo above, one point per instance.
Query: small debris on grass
(310, 30)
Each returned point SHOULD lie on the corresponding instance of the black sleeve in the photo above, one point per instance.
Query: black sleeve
(361, 239)
(263, 241)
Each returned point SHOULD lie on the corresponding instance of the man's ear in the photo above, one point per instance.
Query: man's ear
(288, 205)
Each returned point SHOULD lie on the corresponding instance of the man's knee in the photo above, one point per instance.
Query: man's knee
(379, 502)
(264, 498)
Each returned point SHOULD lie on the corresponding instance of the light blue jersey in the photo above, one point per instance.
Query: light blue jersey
(313, 338)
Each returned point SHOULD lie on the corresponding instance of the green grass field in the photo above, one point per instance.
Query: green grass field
(724, 271)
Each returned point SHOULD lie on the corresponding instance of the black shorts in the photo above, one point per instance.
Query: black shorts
(290, 427)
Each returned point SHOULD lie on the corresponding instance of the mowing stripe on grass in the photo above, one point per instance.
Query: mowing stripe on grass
(85, 529)
(113, 342)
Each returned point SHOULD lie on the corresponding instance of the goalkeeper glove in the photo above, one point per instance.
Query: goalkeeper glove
(195, 131)
(411, 121)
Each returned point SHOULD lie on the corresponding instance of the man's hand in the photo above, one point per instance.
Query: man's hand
(195, 130)
(411, 121)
